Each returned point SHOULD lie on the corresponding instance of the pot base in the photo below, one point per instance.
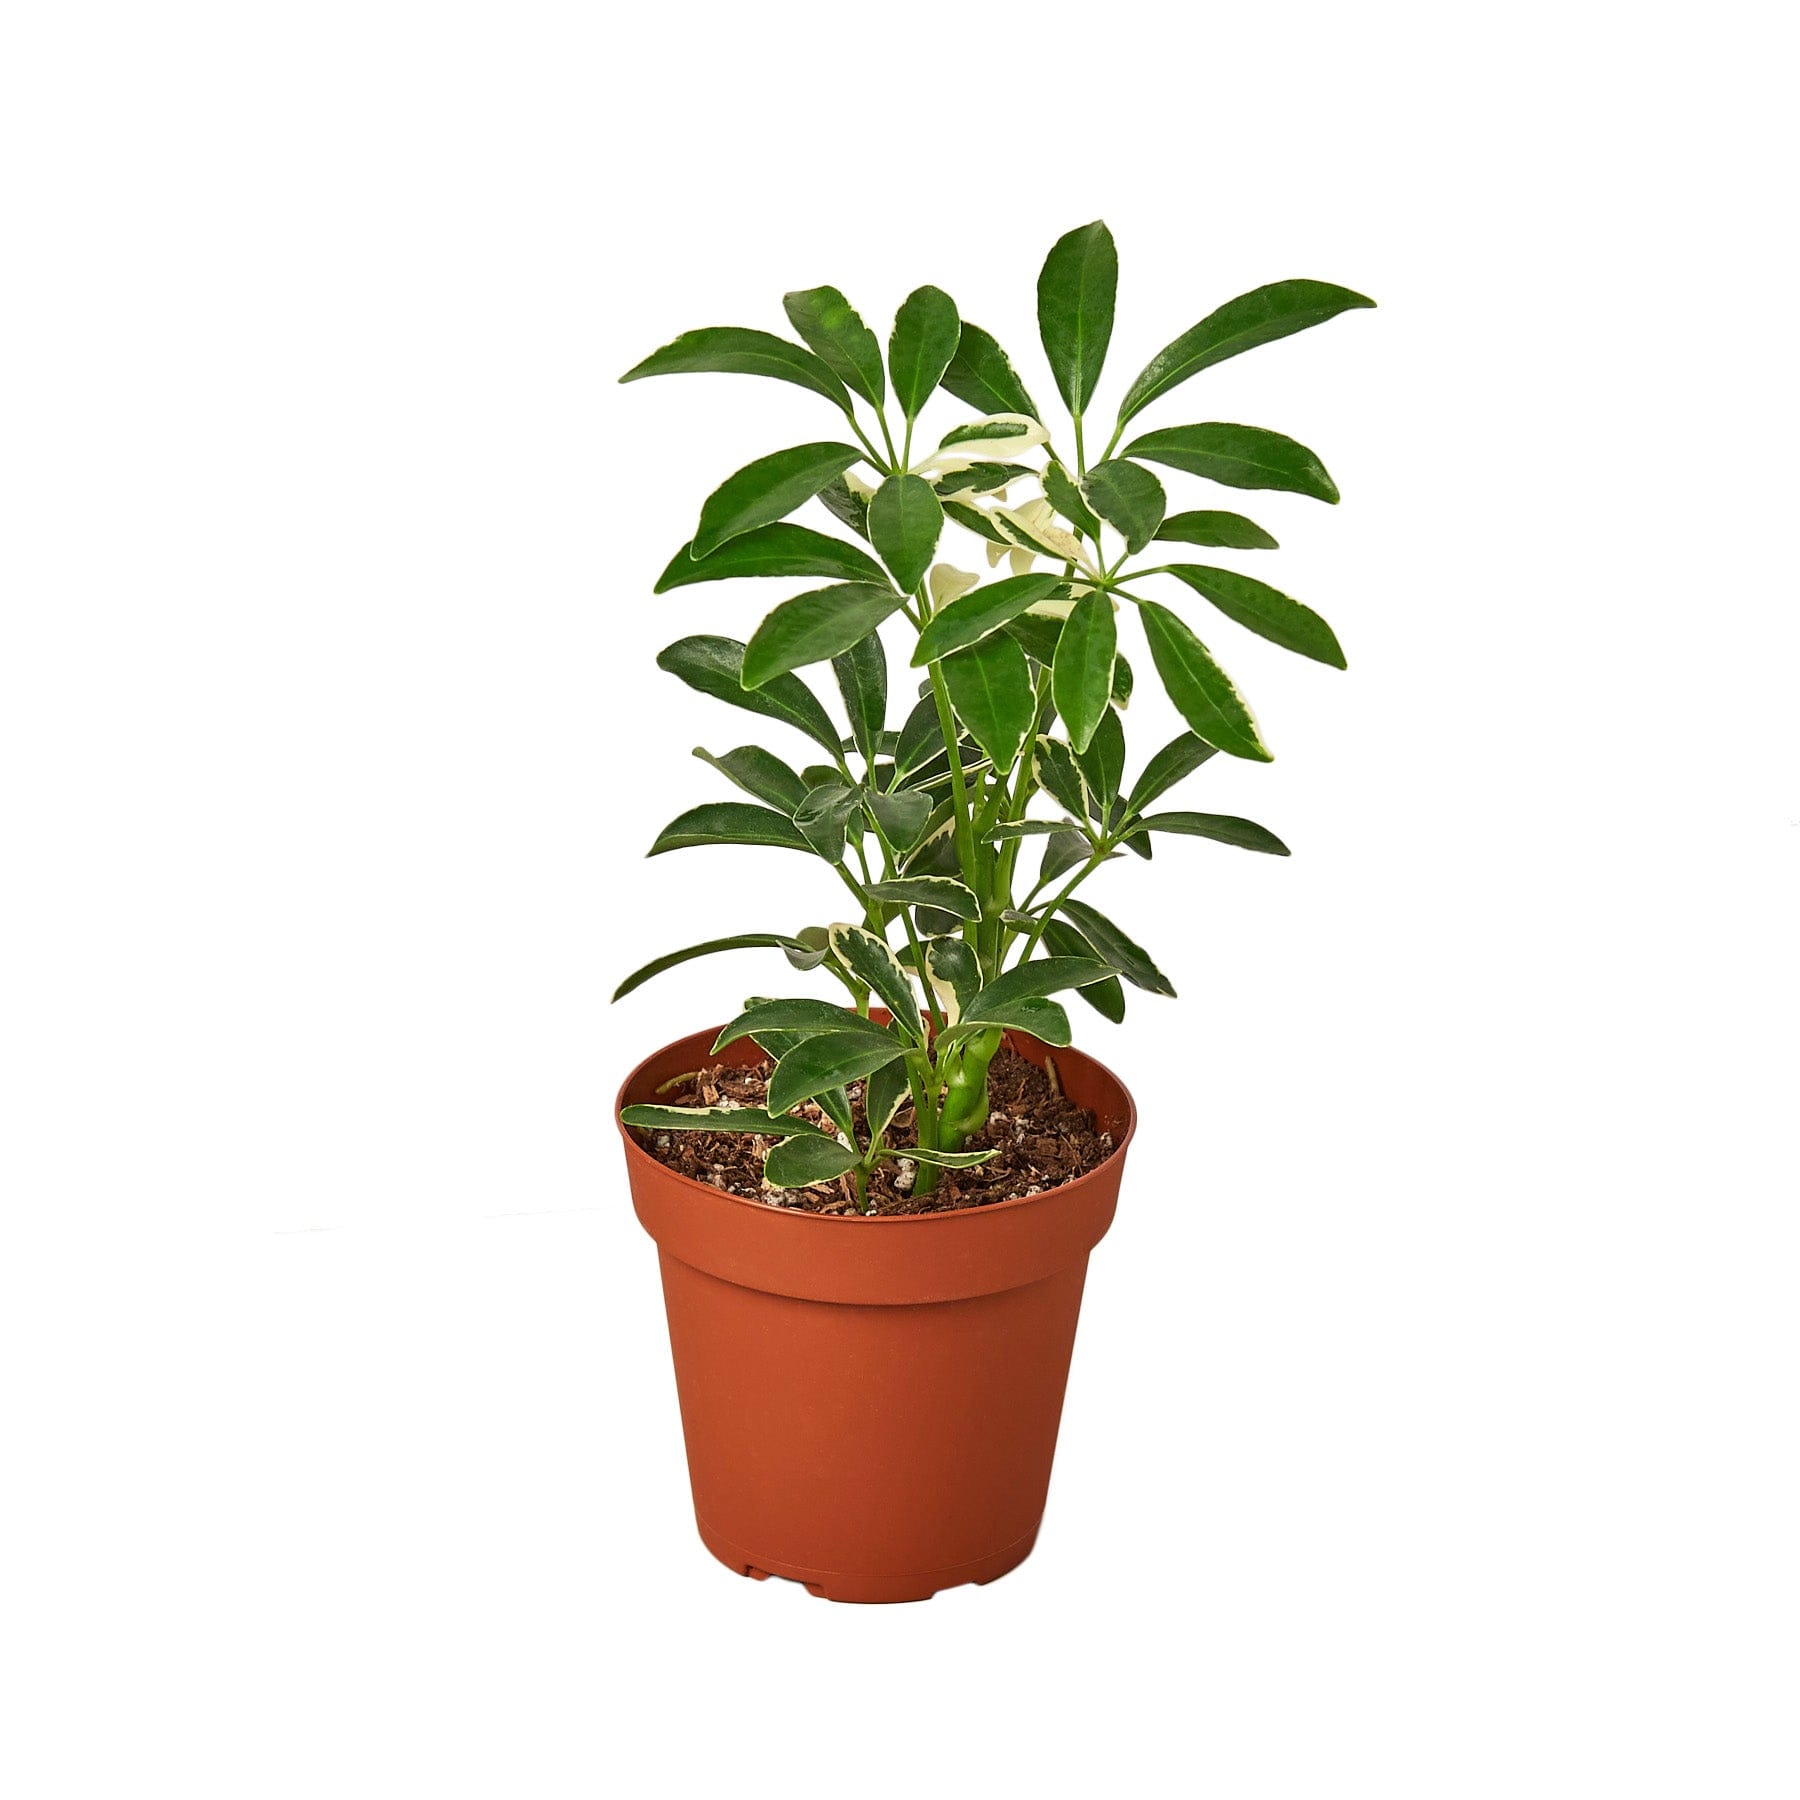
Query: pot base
(837, 1584)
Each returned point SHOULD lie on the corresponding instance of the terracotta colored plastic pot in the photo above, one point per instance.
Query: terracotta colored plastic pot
(871, 1404)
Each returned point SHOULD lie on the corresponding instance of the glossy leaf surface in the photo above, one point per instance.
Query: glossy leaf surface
(768, 489)
(1258, 317)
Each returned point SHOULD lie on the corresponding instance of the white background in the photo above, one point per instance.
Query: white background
(1431, 1431)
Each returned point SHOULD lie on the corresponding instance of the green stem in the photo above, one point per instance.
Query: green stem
(875, 462)
(924, 1098)
(870, 908)
(891, 865)
(1044, 917)
(1008, 856)
(959, 793)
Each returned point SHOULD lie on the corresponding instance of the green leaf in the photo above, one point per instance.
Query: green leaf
(1128, 498)
(1081, 677)
(1107, 998)
(1239, 456)
(1065, 851)
(1203, 693)
(1122, 683)
(729, 822)
(1265, 610)
(972, 518)
(778, 549)
(861, 673)
(1062, 493)
(815, 627)
(1215, 531)
(736, 350)
(1059, 775)
(1019, 536)
(936, 851)
(980, 478)
(982, 376)
(768, 489)
(1244, 834)
(903, 816)
(981, 612)
(905, 521)
(715, 666)
(1041, 1019)
(884, 1095)
(1259, 317)
(808, 1015)
(921, 738)
(835, 1103)
(823, 815)
(1138, 845)
(811, 949)
(827, 1061)
(926, 333)
(1036, 635)
(1076, 290)
(814, 947)
(802, 1161)
(999, 436)
(746, 940)
(830, 324)
(872, 963)
(954, 971)
(845, 505)
(1103, 762)
(1177, 759)
(1113, 946)
(946, 1159)
(941, 891)
(1019, 828)
(716, 1118)
(1031, 981)
(990, 688)
(757, 772)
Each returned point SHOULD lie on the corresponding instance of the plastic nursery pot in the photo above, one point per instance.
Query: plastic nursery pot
(870, 1404)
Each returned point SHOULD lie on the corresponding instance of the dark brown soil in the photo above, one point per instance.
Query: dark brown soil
(1040, 1138)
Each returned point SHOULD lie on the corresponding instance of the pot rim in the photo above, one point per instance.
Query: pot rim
(635, 1150)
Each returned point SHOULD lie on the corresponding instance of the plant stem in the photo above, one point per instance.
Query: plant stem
(924, 1123)
(1075, 881)
(891, 865)
(875, 461)
(959, 795)
(1008, 855)
(862, 899)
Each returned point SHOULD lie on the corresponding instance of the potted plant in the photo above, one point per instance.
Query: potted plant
(874, 1213)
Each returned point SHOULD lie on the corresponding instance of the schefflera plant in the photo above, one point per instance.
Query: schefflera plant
(926, 824)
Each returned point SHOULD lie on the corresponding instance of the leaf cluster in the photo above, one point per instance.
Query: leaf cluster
(961, 825)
